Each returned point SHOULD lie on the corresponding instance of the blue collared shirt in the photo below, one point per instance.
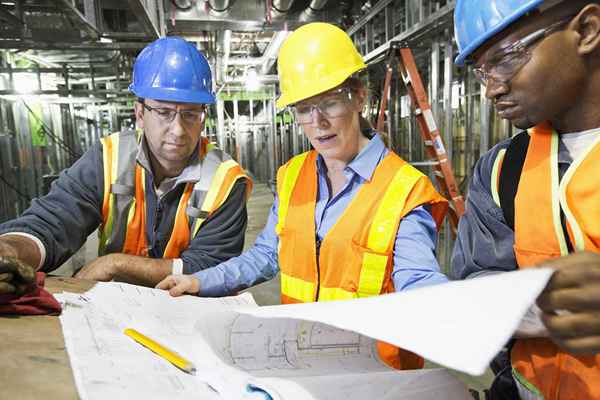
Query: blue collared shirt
(415, 263)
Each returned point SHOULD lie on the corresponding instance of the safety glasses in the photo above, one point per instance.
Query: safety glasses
(336, 104)
(506, 63)
(167, 115)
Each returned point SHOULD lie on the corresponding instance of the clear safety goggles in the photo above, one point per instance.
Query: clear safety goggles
(336, 104)
(506, 63)
(167, 115)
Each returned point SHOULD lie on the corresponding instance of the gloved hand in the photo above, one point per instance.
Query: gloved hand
(15, 276)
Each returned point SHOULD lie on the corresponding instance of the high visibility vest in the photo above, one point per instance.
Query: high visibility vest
(538, 364)
(355, 258)
(123, 228)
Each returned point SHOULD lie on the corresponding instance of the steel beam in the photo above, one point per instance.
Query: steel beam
(98, 46)
(10, 18)
(377, 8)
(79, 19)
(92, 13)
(448, 82)
(145, 16)
(434, 23)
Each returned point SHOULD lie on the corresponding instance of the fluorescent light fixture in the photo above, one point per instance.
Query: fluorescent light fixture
(252, 81)
(25, 82)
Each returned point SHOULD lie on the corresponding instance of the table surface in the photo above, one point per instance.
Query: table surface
(35, 364)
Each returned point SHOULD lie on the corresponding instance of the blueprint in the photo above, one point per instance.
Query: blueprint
(311, 351)
(461, 325)
(107, 364)
(297, 359)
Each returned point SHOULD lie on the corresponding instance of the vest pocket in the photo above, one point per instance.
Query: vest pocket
(528, 258)
(371, 276)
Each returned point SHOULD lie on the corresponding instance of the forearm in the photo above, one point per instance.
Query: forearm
(258, 264)
(141, 270)
(415, 264)
(22, 248)
(64, 218)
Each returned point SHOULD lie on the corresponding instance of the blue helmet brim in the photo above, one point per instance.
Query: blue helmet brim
(177, 96)
(506, 22)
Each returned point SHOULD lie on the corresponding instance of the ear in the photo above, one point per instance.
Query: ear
(589, 29)
(138, 109)
(361, 97)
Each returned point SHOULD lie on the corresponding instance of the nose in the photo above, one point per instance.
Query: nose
(177, 126)
(496, 88)
(317, 119)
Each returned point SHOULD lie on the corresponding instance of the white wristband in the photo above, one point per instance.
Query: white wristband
(177, 266)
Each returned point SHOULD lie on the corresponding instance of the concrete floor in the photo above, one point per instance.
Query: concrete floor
(259, 205)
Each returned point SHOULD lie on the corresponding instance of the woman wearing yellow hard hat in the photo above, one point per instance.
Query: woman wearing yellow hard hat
(351, 219)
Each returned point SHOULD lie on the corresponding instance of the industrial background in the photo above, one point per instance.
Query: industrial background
(65, 66)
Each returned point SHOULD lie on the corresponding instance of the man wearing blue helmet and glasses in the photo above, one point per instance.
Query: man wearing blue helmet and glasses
(534, 199)
(165, 200)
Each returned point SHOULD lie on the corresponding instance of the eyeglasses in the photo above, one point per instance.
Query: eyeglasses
(167, 115)
(334, 106)
(505, 64)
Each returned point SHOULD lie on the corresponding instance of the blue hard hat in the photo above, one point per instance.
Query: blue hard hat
(476, 21)
(172, 69)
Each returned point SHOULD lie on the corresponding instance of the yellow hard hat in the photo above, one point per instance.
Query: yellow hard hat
(313, 59)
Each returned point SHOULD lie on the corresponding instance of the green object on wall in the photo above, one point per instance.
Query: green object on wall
(36, 127)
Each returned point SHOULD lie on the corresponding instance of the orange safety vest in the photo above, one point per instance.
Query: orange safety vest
(539, 364)
(123, 228)
(356, 257)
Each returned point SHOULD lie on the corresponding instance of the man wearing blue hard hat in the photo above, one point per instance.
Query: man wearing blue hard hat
(165, 200)
(534, 199)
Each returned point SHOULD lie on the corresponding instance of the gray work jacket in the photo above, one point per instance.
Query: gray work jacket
(72, 210)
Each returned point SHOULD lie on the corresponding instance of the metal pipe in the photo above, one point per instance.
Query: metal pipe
(270, 54)
(313, 8)
(316, 6)
(219, 6)
(282, 6)
(224, 50)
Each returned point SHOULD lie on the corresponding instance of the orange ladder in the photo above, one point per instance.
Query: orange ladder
(427, 126)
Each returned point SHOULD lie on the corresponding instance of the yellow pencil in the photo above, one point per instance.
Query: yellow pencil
(162, 351)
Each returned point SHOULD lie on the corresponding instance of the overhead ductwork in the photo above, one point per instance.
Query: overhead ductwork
(247, 16)
(313, 9)
(282, 6)
(219, 7)
(224, 50)
(270, 54)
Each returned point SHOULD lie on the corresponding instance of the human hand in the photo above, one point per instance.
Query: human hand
(571, 303)
(15, 276)
(102, 269)
(179, 284)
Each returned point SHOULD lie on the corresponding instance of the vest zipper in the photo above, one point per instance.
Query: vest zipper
(318, 251)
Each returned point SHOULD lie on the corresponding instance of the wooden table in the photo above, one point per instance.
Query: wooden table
(34, 362)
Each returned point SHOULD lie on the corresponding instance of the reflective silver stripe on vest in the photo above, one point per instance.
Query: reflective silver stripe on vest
(123, 189)
(209, 166)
